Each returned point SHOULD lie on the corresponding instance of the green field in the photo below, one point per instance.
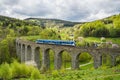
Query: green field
(94, 39)
(102, 73)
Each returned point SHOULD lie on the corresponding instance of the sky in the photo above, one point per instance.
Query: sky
(72, 10)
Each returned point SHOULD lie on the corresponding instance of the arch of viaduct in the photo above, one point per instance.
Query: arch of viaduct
(28, 52)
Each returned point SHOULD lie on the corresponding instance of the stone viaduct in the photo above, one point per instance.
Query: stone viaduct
(29, 53)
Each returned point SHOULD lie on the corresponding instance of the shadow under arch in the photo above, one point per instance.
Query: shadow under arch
(23, 53)
(65, 59)
(84, 60)
(19, 54)
(29, 53)
(38, 57)
(49, 56)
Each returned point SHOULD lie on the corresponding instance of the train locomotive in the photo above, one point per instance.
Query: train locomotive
(56, 42)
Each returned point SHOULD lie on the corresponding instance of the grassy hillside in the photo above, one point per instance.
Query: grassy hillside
(107, 27)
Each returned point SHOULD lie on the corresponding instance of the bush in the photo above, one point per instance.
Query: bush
(35, 74)
(5, 71)
(20, 70)
(16, 71)
(103, 39)
(85, 57)
(118, 60)
(55, 73)
(81, 44)
(101, 31)
(108, 78)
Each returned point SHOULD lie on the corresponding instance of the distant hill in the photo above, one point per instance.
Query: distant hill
(13, 22)
(52, 22)
(106, 27)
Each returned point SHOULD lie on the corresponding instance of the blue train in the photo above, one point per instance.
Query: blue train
(57, 42)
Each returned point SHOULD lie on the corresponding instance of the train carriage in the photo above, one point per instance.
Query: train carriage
(57, 42)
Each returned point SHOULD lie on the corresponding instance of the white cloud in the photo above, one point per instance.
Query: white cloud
(101, 14)
(74, 10)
